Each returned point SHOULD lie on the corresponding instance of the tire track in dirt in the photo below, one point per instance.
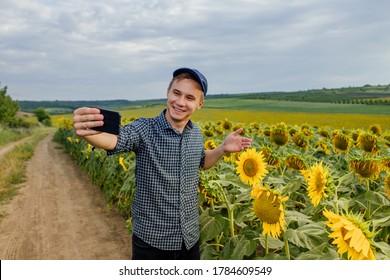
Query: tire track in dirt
(59, 214)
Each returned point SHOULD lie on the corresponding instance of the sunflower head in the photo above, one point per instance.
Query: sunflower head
(322, 147)
(376, 129)
(365, 168)
(318, 182)
(226, 125)
(351, 235)
(324, 133)
(270, 157)
(251, 166)
(295, 162)
(210, 144)
(208, 133)
(385, 164)
(255, 127)
(268, 207)
(341, 143)
(368, 142)
(300, 140)
(267, 131)
(279, 134)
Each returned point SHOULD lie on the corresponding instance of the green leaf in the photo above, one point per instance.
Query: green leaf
(384, 222)
(384, 247)
(322, 252)
(237, 247)
(377, 198)
(307, 236)
(211, 225)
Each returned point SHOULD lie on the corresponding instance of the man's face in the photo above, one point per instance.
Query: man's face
(184, 98)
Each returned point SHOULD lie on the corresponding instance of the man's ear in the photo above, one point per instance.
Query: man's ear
(200, 105)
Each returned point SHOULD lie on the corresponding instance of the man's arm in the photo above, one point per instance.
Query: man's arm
(232, 143)
(84, 119)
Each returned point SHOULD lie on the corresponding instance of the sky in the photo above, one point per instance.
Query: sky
(128, 49)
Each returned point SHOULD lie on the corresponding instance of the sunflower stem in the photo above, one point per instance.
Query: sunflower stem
(287, 248)
(230, 209)
(266, 244)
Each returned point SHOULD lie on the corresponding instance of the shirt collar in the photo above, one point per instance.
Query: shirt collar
(163, 122)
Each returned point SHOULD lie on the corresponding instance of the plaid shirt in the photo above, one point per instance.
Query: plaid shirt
(165, 209)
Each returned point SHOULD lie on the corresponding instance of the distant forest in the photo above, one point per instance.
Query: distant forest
(370, 95)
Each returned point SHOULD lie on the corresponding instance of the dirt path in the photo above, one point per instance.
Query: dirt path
(58, 214)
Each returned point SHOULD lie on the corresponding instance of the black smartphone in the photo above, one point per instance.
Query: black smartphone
(112, 121)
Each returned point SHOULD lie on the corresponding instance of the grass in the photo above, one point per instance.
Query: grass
(13, 166)
(8, 135)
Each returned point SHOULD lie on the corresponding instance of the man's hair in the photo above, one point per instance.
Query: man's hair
(183, 76)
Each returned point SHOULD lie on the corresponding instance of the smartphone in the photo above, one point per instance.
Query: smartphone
(112, 121)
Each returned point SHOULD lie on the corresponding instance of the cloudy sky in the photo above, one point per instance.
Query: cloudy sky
(128, 49)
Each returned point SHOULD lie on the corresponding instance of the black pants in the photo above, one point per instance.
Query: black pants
(143, 251)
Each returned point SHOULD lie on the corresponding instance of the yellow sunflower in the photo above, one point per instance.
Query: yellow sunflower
(279, 134)
(366, 169)
(376, 129)
(300, 140)
(341, 143)
(318, 182)
(210, 144)
(251, 166)
(268, 207)
(351, 235)
(368, 142)
(271, 159)
(385, 163)
(295, 162)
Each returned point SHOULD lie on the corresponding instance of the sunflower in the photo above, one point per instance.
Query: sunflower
(295, 162)
(385, 163)
(226, 125)
(387, 185)
(351, 235)
(251, 166)
(270, 157)
(376, 129)
(324, 133)
(341, 143)
(300, 140)
(318, 182)
(279, 134)
(322, 147)
(268, 207)
(366, 169)
(368, 142)
(210, 144)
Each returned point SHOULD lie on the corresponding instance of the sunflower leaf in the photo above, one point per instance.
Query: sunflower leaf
(211, 225)
(238, 247)
(307, 236)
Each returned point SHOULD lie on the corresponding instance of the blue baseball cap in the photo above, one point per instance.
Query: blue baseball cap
(197, 75)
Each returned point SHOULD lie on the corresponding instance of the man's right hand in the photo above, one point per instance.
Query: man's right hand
(84, 119)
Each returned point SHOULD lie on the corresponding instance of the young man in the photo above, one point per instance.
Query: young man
(169, 152)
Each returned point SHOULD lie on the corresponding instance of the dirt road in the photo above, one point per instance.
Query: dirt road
(58, 214)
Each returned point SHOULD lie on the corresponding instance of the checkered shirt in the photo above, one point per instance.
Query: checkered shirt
(165, 209)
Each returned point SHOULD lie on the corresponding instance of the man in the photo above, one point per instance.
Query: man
(169, 152)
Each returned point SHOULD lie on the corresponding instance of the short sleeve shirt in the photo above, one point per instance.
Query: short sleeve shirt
(165, 208)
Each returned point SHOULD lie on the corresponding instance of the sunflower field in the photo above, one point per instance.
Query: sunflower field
(300, 192)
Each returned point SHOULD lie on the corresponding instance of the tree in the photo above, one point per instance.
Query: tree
(8, 107)
(42, 116)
